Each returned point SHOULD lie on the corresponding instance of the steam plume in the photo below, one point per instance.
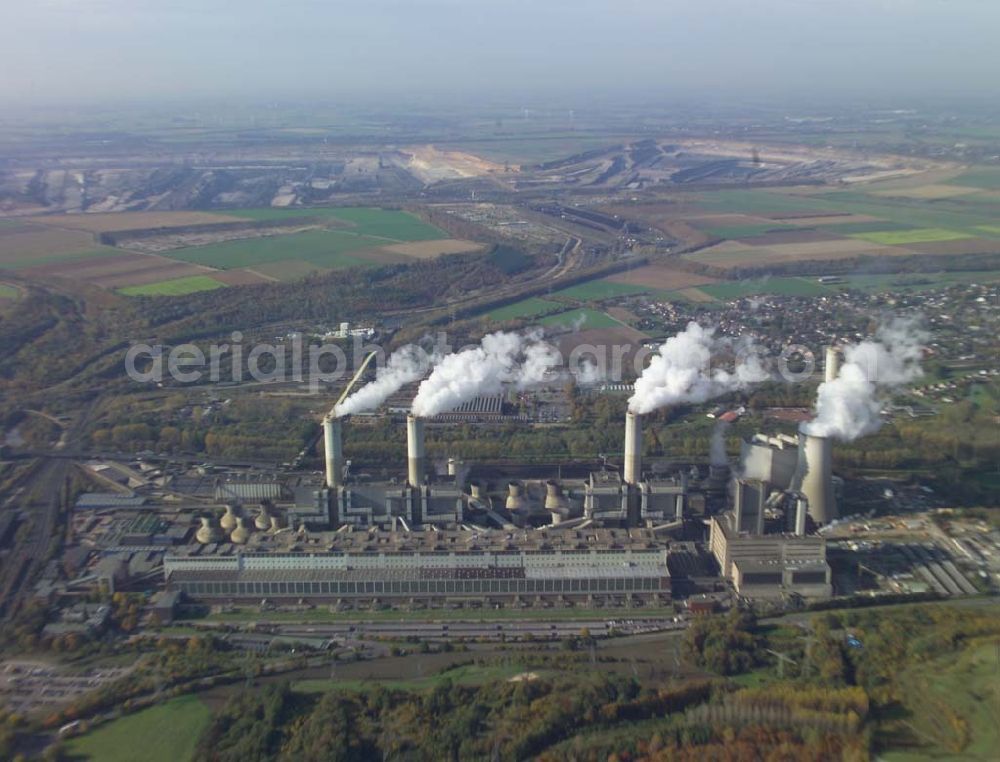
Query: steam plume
(848, 407)
(717, 449)
(405, 365)
(501, 359)
(680, 371)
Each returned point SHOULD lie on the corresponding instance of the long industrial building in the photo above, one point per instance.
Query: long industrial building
(426, 565)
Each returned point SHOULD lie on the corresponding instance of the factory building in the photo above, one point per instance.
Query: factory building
(769, 565)
(426, 565)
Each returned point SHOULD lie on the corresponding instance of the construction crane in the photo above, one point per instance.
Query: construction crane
(333, 446)
(347, 389)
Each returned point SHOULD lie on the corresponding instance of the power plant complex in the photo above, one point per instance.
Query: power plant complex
(598, 534)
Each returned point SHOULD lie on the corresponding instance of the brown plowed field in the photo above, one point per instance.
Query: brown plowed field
(660, 277)
(804, 235)
(40, 242)
(432, 249)
(964, 246)
(104, 223)
(125, 269)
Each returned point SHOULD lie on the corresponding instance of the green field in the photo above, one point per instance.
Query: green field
(784, 286)
(918, 281)
(758, 202)
(968, 685)
(165, 733)
(914, 235)
(523, 309)
(987, 178)
(37, 260)
(469, 674)
(380, 223)
(745, 231)
(322, 248)
(173, 287)
(585, 318)
(8, 292)
(598, 290)
(956, 215)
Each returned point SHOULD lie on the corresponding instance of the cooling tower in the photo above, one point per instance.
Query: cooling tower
(208, 533)
(515, 498)
(334, 451)
(832, 364)
(416, 457)
(241, 534)
(263, 520)
(814, 477)
(633, 448)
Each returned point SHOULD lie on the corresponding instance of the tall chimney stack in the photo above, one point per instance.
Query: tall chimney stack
(416, 457)
(832, 364)
(801, 507)
(814, 477)
(334, 451)
(633, 448)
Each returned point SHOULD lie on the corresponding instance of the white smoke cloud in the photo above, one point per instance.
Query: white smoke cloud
(588, 373)
(500, 360)
(681, 372)
(405, 365)
(756, 465)
(717, 448)
(848, 407)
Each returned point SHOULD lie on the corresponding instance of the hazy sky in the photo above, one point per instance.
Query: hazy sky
(101, 49)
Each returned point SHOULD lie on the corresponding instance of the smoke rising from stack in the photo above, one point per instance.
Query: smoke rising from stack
(405, 365)
(588, 373)
(500, 360)
(848, 407)
(717, 448)
(681, 372)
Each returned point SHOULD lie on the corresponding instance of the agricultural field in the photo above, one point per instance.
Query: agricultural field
(367, 221)
(168, 732)
(743, 231)
(914, 282)
(729, 254)
(116, 270)
(65, 246)
(8, 292)
(527, 308)
(582, 319)
(598, 290)
(174, 287)
(659, 278)
(917, 235)
(329, 249)
(118, 221)
(986, 178)
(937, 213)
(727, 290)
(432, 249)
(28, 245)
